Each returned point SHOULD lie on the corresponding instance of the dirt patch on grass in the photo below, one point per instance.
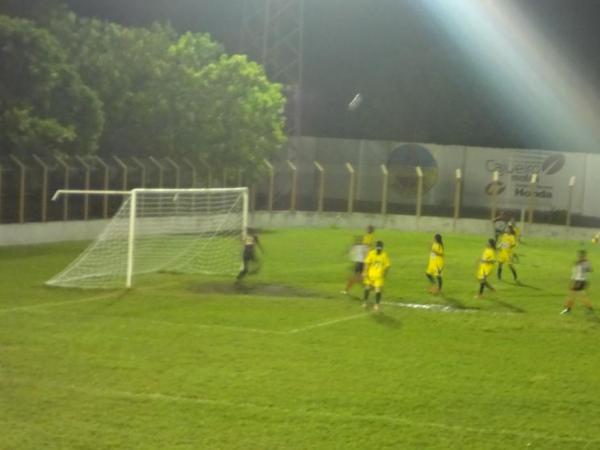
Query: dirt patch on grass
(258, 289)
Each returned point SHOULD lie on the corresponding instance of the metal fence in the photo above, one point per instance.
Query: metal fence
(26, 187)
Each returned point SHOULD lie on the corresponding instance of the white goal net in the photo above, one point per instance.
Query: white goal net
(163, 230)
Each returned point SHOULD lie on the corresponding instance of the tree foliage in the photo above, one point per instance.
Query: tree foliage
(44, 104)
(160, 93)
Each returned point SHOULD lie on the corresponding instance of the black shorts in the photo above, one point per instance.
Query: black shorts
(578, 285)
(358, 267)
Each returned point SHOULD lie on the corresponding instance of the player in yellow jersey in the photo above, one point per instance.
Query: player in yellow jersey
(377, 264)
(436, 264)
(596, 238)
(486, 267)
(506, 245)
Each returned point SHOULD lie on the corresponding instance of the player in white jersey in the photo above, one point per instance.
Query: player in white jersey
(579, 281)
(358, 253)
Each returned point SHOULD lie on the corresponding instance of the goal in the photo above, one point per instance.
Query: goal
(162, 230)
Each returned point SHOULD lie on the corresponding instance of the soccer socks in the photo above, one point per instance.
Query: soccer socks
(439, 281)
(499, 271)
(377, 297)
(481, 286)
(430, 278)
(514, 272)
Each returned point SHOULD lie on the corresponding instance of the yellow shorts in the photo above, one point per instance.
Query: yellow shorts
(484, 271)
(435, 268)
(375, 282)
(505, 257)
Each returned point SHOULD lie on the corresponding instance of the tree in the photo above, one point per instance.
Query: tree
(165, 94)
(44, 104)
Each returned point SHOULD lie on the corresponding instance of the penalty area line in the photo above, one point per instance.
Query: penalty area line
(326, 323)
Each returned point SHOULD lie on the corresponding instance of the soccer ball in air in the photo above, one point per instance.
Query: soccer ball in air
(355, 102)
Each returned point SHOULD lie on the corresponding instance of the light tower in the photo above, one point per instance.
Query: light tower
(272, 34)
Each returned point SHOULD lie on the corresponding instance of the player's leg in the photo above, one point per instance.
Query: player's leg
(354, 278)
(431, 281)
(439, 282)
(570, 298)
(514, 272)
(500, 271)
(378, 289)
(368, 286)
(244, 270)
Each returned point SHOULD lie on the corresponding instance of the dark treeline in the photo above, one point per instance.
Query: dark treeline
(73, 85)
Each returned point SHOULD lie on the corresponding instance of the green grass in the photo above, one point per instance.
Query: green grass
(177, 364)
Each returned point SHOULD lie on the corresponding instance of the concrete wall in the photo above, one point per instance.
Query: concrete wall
(39, 233)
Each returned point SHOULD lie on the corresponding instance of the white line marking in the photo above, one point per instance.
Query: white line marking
(325, 324)
(398, 420)
(65, 302)
(430, 307)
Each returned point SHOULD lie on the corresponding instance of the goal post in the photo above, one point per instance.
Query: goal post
(195, 230)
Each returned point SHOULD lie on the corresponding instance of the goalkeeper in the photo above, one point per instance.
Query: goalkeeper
(249, 253)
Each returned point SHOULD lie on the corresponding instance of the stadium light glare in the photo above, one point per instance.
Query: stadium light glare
(524, 68)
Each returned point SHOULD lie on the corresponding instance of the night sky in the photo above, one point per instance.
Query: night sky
(418, 85)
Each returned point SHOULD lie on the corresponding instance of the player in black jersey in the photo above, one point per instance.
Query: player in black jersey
(249, 253)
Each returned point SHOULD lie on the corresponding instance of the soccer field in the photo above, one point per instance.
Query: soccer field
(286, 362)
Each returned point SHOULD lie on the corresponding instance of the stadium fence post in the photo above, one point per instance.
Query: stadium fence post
(143, 171)
(124, 172)
(532, 184)
(457, 189)
(570, 200)
(22, 181)
(384, 189)
(104, 185)
(294, 171)
(66, 183)
(494, 190)
(86, 198)
(321, 192)
(208, 172)
(419, 172)
(44, 198)
(161, 171)
(188, 163)
(1, 169)
(177, 170)
(271, 184)
(350, 187)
